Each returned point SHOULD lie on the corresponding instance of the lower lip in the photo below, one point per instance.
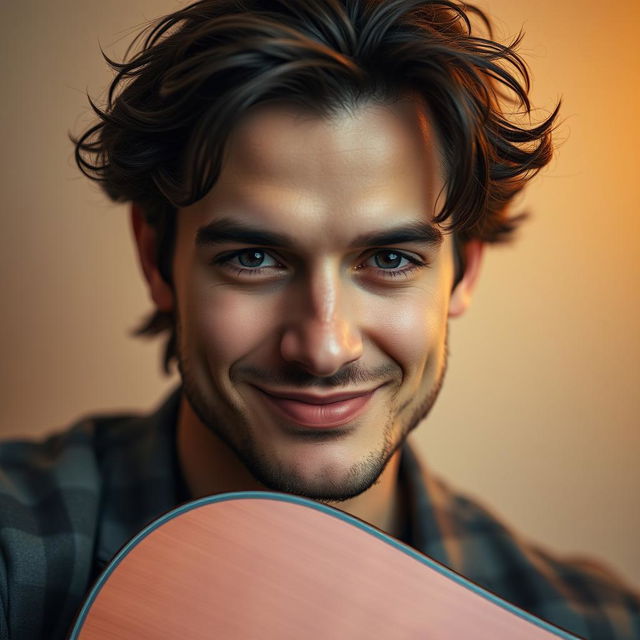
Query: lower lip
(319, 416)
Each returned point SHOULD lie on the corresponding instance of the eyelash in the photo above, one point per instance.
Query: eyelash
(415, 263)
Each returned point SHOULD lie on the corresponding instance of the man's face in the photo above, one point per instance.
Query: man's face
(312, 294)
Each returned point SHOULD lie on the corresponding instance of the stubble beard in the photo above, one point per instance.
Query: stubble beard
(278, 477)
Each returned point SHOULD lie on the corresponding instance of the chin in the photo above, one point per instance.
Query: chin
(321, 488)
(313, 475)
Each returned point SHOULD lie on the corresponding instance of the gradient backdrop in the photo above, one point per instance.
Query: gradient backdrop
(539, 414)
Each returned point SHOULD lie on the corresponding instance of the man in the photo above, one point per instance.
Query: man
(312, 183)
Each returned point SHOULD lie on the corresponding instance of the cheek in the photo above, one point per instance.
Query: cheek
(227, 325)
(218, 324)
(411, 327)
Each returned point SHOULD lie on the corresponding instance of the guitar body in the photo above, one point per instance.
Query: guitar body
(264, 565)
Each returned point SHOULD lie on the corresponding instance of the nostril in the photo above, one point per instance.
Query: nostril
(321, 348)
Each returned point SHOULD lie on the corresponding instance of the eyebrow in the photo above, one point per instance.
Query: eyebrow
(225, 230)
(416, 232)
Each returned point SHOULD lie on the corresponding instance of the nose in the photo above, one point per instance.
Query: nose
(321, 331)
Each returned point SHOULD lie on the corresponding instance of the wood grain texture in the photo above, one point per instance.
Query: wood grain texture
(257, 568)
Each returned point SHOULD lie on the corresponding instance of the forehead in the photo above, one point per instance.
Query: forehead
(280, 141)
(352, 172)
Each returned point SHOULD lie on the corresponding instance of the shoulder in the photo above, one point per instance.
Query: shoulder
(41, 480)
(50, 499)
(579, 594)
(66, 465)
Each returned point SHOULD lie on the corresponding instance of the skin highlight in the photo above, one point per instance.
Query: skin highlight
(320, 316)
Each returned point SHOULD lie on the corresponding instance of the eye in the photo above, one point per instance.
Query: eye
(389, 260)
(255, 258)
(249, 262)
(390, 263)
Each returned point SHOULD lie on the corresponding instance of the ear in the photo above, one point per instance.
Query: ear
(461, 295)
(145, 238)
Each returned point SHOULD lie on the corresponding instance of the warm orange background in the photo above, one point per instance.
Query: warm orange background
(539, 413)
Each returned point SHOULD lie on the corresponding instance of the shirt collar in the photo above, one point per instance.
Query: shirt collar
(432, 526)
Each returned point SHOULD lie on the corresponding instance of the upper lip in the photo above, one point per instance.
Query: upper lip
(312, 398)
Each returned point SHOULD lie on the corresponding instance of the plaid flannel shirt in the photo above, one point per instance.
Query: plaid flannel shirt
(69, 502)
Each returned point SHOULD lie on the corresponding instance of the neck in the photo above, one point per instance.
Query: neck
(210, 467)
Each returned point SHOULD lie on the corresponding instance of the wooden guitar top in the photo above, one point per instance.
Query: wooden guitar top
(264, 565)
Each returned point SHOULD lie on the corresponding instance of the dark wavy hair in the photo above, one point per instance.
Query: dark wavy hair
(160, 138)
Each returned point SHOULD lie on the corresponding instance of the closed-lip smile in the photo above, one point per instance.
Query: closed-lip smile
(311, 398)
(317, 411)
